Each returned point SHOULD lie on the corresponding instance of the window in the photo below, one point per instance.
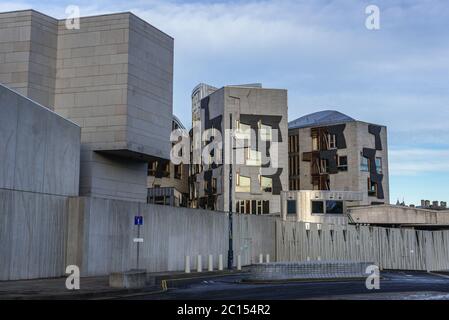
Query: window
(334, 207)
(266, 184)
(266, 206)
(243, 184)
(317, 207)
(343, 163)
(332, 141)
(259, 206)
(379, 165)
(291, 206)
(372, 188)
(364, 164)
(152, 166)
(315, 143)
(324, 165)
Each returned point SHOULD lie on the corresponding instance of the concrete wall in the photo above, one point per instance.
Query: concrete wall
(33, 232)
(40, 150)
(389, 248)
(399, 215)
(101, 236)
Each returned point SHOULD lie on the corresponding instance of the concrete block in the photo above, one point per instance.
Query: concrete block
(128, 279)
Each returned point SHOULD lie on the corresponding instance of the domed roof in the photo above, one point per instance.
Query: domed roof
(325, 117)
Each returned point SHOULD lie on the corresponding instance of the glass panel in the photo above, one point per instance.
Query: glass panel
(291, 206)
(266, 184)
(364, 164)
(334, 207)
(243, 184)
(317, 207)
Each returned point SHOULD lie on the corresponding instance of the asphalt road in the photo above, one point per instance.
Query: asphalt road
(393, 286)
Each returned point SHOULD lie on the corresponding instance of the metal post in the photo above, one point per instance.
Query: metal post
(230, 251)
(138, 245)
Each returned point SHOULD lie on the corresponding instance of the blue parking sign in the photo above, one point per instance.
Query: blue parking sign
(138, 220)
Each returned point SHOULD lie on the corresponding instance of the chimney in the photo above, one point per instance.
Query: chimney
(427, 203)
(423, 203)
(435, 204)
(443, 204)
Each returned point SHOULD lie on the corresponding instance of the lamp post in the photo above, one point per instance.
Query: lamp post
(230, 225)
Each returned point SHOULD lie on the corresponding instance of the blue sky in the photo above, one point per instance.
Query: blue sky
(322, 53)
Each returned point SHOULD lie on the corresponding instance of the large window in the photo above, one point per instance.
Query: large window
(243, 184)
(266, 184)
(334, 207)
(317, 207)
(327, 207)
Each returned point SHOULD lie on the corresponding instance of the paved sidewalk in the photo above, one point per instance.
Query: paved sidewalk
(95, 287)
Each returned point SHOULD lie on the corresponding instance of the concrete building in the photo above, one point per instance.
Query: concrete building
(39, 150)
(113, 77)
(168, 184)
(258, 177)
(331, 151)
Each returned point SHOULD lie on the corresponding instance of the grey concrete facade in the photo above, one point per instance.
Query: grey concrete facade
(250, 106)
(318, 206)
(40, 150)
(113, 77)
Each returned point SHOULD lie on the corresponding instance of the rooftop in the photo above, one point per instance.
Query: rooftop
(325, 117)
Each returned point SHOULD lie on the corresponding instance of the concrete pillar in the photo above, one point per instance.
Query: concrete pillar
(260, 258)
(199, 265)
(220, 262)
(284, 205)
(187, 265)
(210, 263)
(239, 262)
(267, 259)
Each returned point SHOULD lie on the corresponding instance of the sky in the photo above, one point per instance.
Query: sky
(322, 52)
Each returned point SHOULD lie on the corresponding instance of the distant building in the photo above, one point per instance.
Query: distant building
(255, 187)
(331, 151)
(168, 184)
(435, 205)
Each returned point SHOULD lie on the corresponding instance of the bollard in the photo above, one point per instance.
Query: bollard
(260, 258)
(199, 266)
(239, 262)
(220, 262)
(187, 265)
(211, 263)
(267, 259)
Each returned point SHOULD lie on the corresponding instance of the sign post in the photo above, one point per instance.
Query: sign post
(138, 221)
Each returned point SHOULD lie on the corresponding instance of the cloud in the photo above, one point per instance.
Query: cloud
(411, 162)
